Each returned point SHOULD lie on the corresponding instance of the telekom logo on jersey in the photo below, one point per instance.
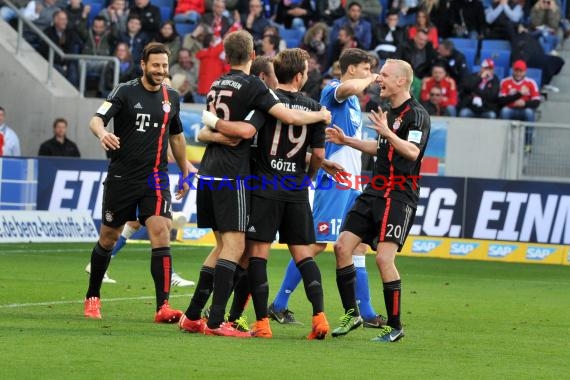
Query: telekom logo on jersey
(344, 181)
(143, 121)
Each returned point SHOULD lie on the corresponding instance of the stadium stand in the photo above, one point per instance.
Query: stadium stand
(183, 28)
(464, 43)
(495, 45)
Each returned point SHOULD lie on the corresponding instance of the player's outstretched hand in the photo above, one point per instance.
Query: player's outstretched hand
(182, 191)
(109, 141)
(380, 122)
(332, 168)
(327, 116)
(335, 135)
(209, 119)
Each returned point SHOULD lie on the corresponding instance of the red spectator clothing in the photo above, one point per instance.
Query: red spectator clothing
(211, 67)
(448, 90)
(432, 35)
(509, 86)
(184, 6)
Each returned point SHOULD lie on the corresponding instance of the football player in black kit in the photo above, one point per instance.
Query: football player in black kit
(280, 199)
(146, 119)
(384, 213)
(223, 199)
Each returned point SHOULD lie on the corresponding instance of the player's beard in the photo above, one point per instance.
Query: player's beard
(150, 79)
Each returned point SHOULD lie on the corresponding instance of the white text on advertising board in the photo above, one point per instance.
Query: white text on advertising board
(437, 214)
(82, 190)
(524, 214)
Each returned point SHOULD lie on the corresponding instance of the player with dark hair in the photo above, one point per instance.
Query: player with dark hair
(262, 67)
(331, 203)
(146, 120)
(236, 96)
(383, 215)
(280, 157)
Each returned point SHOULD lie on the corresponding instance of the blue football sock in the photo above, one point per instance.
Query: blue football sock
(362, 290)
(119, 245)
(290, 282)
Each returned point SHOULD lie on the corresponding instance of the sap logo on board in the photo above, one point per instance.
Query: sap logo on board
(462, 249)
(539, 253)
(194, 233)
(500, 250)
(424, 246)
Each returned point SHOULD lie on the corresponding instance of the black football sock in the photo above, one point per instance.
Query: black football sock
(312, 282)
(258, 285)
(201, 294)
(161, 270)
(241, 294)
(223, 283)
(100, 258)
(346, 283)
(392, 298)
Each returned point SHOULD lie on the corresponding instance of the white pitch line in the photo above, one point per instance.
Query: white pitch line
(15, 305)
(60, 250)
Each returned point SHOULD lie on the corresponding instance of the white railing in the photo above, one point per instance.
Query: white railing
(54, 49)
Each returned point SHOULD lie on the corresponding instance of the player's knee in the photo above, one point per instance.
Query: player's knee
(108, 238)
(341, 250)
(160, 230)
(384, 261)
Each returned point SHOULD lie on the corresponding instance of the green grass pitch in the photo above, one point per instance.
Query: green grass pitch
(463, 319)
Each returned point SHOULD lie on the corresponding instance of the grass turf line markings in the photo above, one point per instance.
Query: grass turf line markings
(16, 305)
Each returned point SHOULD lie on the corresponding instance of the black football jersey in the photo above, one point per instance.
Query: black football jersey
(395, 176)
(140, 125)
(280, 170)
(235, 96)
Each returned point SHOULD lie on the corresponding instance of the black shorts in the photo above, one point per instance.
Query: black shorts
(121, 199)
(293, 220)
(376, 219)
(222, 205)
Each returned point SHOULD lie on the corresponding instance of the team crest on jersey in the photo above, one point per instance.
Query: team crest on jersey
(166, 106)
(108, 216)
(397, 123)
(323, 228)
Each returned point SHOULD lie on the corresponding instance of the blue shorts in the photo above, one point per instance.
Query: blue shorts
(330, 207)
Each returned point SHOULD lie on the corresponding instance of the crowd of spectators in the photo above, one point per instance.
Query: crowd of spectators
(419, 31)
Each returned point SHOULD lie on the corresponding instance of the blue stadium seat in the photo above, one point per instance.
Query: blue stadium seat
(291, 36)
(502, 58)
(495, 45)
(183, 28)
(464, 43)
(91, 2)
(532, 73)
(163, 3)
(470, 54)
(165, 13)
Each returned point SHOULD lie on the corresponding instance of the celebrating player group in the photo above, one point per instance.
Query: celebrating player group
(265, 146)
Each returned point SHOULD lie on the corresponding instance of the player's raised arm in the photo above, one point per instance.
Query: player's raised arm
(107, 139)
(207, 135)
(299, 117)
(335, 135)
(239, 129)
(351, 87)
